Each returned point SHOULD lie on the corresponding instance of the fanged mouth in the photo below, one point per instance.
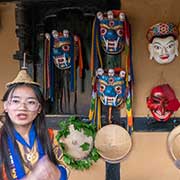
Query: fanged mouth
(111, 45)
(62, 62)
(111, 101)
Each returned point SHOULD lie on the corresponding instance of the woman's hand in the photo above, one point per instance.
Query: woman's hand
(44, 170)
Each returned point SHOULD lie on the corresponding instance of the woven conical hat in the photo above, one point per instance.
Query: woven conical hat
(113, 143)
(173, 142)
(22, 77)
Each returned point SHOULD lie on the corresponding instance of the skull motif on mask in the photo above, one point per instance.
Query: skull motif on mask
(162, 102)
(111, 88)
(99, 72)
(112, 31)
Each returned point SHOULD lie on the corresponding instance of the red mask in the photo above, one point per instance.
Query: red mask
(162, 102)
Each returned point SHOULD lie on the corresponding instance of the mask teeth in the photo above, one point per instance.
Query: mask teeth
(116, 43)
(105, 99)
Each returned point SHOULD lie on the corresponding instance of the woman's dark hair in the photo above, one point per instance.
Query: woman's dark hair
(7, 130)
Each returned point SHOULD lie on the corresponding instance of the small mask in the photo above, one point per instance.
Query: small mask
(62, 49)
(65, 49)
(112, 32)
(162, 102)
(111, 88)
(163, 43)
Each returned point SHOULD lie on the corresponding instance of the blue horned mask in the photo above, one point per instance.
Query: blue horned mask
(111, 30)
(62, 51)
(111, 88)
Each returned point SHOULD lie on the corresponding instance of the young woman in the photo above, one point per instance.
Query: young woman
(26, 150)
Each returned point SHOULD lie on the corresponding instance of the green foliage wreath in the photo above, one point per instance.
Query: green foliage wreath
(89, 130)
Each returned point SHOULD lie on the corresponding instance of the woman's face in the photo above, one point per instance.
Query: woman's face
(22, 106)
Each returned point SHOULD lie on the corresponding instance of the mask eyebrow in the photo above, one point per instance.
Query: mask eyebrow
(170, 42)
(157, 43)
(159, 98)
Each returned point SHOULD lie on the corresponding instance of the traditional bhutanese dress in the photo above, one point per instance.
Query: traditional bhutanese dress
(30, 153)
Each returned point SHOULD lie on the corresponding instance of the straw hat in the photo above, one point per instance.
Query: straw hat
(173, 142)
(113, 143)
(22, 77)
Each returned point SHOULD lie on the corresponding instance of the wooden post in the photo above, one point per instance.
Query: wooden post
(112, 171)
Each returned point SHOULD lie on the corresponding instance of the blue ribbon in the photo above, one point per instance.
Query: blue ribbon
(20, 172)
(15, 156)
(51, 71)
(72, 83)
(63, 173)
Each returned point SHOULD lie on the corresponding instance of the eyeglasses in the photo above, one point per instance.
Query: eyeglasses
(29, 104)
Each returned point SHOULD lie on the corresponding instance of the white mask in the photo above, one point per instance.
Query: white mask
(163, 50)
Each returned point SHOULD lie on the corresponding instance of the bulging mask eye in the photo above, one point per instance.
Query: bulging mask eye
(111, 23)
(102, 88)
(65, 48)
(103, 31)
(119, 32)
(118, 89)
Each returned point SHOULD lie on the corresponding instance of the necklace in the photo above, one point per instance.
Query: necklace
(30, 155)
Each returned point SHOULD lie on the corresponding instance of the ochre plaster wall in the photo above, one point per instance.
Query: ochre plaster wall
(142, 14)
(149, 159)
(8, 46)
